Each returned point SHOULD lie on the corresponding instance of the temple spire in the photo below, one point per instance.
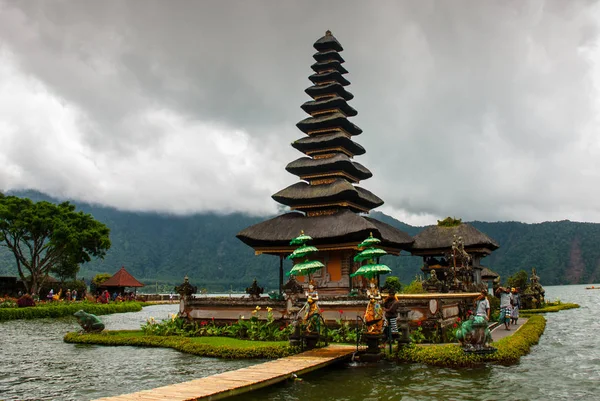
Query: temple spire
(329, 175)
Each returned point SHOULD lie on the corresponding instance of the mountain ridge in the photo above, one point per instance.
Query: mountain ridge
(160, 247)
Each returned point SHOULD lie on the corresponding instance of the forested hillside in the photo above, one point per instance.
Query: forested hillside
(164, 248)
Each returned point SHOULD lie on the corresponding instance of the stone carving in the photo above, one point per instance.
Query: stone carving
(254, 290)
(185, 290)
(88, 322)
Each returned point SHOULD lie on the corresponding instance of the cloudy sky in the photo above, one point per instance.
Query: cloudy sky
(476, 109)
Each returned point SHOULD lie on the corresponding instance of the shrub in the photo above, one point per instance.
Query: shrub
(392, 283)
(59, 309)
(509, 349)
(8, 303)
(25, 301)
(415, 287)
(251, 329)
(550, 307)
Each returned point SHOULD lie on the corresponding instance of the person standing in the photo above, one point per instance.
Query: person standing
(390, 306)
(482, 306)
(504, 318)
(516, 304)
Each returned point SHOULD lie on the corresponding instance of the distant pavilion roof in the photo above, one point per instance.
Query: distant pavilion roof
(122, 278)
(486, 273)
(438, 239)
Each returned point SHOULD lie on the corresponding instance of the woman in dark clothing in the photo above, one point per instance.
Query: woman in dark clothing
(390, 306)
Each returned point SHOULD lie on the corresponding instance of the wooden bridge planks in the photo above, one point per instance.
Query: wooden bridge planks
(242, 380)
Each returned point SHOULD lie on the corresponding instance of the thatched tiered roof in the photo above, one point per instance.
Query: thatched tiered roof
(340, 162)
(328, 193)
(344, 226)
(324, 143)
(438, 239)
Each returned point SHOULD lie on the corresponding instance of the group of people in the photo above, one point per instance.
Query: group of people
(105, 297)
(68, 295)
(510, 302)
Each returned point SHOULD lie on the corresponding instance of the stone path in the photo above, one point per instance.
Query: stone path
(499, 332)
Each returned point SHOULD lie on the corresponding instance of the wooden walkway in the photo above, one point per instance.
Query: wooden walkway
(242, 380)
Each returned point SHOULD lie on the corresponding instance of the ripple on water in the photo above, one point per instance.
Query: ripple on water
(37, 365)
(565, 365)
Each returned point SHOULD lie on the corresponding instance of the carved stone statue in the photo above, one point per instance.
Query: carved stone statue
(432, 284)
(254, 290)
(88, 322)
(185, 290)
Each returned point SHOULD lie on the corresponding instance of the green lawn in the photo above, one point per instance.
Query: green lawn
(219, 347)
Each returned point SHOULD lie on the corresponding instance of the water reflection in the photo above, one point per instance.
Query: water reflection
(565, 365)
(37, 365)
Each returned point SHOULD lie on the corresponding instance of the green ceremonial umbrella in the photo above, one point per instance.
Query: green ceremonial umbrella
(302, 252)
(369, 242)
(370, 253)
(306, 268)
(370, 271)
(301, 239)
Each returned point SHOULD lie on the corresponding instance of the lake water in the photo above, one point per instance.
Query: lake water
(36, 364)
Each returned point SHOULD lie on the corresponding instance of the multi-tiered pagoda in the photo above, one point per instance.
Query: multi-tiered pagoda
(327, 203)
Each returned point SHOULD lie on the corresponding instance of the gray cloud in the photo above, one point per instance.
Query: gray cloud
(480, 110)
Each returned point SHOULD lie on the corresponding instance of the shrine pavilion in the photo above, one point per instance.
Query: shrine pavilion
(119, 281)
(435, 245)
(327, 203)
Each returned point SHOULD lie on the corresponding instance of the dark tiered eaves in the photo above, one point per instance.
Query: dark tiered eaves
(327, 195)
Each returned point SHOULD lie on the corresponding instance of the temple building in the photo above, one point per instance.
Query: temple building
(453, 250)
(327, 203)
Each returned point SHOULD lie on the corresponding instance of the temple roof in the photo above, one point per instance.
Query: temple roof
(339, 162)
(329, 65)
(328, 42)
(343, 226)
(336, 139)
(487, 273)
(328, 55)
(329, 76)
(304, 194)
(122, 278)
(329, 103)
(329, 89)
(333, 120)
(440, 238)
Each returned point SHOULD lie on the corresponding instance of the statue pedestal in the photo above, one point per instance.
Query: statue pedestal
(373, 341)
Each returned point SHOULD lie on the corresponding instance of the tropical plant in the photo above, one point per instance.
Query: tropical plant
(43, 235)
(415, 287)
(416, 335)
(518, 280)
(392, 283)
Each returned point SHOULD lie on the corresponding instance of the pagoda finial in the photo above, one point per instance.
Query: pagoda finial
(328, 33)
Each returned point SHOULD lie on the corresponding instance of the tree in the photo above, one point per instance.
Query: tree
(66, 269)
(518, 280)
(42, 235)
(98, 280)
(393, 283)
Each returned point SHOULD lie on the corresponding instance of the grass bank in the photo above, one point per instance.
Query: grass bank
(217, 347)
(67, 309)
(550, 307)
(510, 349)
